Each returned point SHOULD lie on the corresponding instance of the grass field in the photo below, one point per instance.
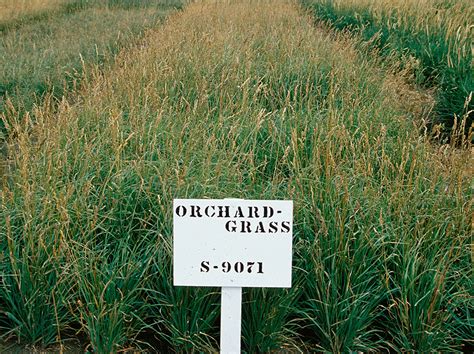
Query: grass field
(432, 39)
(244, 99)
(11, 11)
(46, 57)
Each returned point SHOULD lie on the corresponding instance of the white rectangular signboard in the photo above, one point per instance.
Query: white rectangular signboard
(232, 243)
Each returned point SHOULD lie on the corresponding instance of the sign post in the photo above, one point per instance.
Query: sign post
(231, 319)
(232, 243)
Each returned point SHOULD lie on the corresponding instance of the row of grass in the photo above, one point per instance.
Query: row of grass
(46, 58)
(433, 38)
(15, 13)
(236, 99)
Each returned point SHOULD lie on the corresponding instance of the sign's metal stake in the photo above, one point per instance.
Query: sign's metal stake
(231, 314)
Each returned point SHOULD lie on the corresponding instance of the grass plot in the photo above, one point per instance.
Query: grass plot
(235, 99)
(48, 57)
(431, 39)
(12, 10)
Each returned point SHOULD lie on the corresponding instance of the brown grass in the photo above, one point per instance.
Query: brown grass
(11, 10)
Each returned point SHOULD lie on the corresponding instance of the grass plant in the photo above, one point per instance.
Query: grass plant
(16, 13)
(46, 59)
(12, 11)
(433, 39)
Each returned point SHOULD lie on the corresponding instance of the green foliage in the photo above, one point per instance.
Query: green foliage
(444, 62)
(48, 57)
(224, 102)
(110, 298)
(34, 290)
(265, 319)
(344, 291)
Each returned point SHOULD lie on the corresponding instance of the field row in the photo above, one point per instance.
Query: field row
(431, 41)
(48, 57)
(11, 11)
(14, 13)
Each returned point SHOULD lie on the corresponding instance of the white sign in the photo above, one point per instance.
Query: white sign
(232, 243)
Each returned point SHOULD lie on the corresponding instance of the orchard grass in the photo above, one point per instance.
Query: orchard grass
(46, 58)
(13, 11)
(236, 99)
(431, 39)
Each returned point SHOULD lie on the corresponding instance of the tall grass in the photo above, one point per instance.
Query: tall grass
(12, 11)
(45, 59)
(15, 13)
(237, 99)
(431, 38)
